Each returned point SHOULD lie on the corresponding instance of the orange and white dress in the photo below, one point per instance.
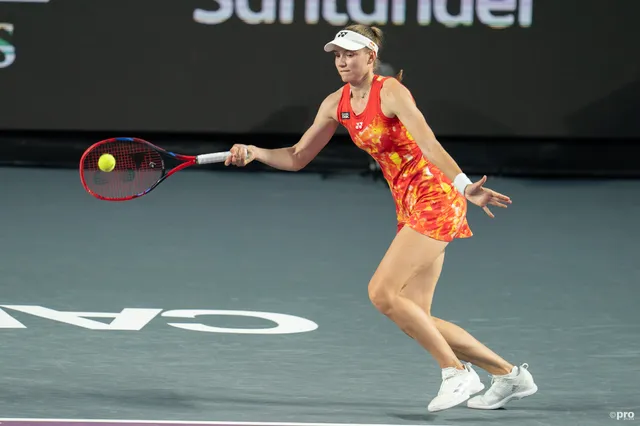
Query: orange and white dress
(425, 198)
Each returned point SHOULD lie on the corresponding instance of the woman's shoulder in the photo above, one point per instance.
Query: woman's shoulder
(393, 89)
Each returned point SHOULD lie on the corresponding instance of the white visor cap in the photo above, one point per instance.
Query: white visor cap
(350, 40)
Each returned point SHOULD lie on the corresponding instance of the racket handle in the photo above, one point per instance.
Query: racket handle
(217, 157)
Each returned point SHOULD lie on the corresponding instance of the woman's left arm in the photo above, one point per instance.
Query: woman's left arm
(397, 100)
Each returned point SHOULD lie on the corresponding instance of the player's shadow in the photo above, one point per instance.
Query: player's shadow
(412, 417)
(425, 418)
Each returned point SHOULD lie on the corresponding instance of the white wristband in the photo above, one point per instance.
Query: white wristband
(460, 182)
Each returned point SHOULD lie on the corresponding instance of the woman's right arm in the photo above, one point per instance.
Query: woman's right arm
(295, 157)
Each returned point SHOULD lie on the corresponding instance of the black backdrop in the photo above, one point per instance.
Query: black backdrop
(569, 70)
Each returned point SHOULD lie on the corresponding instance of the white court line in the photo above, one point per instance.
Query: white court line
(213, 423)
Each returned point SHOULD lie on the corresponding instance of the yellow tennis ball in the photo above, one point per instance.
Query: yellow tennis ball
(107, 162)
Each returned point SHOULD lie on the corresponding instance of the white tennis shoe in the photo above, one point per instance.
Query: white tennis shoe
(516, 385)
(457, 386)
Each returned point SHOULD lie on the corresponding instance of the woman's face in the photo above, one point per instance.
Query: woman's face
(352, 65)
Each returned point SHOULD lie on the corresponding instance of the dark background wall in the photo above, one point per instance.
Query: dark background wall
(510, 86)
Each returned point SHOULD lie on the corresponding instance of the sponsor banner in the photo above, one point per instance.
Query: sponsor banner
(488, 68)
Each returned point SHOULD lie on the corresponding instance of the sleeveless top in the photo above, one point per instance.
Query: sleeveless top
(413, 180)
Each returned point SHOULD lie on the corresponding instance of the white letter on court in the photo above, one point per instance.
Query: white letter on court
(266, 16)
(485, 9)
(7, 321)
(464, 18)
(224, 12)
(379, 16)
(286, 324)
(331, 15)
(128, 319)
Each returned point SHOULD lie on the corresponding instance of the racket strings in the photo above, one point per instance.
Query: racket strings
(137, 169)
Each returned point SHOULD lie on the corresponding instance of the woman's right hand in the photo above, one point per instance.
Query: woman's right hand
(241, 155)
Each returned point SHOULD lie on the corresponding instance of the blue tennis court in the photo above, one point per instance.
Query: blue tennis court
(241, 299)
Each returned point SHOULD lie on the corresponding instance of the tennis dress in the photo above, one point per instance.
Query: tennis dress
(425, 198)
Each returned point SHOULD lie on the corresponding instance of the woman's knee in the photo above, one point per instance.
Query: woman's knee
(384, 293)
(381, 294)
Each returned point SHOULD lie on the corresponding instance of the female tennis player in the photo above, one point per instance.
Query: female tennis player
(430, 193)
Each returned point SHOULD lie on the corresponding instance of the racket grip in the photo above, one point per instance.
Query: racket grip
(217, 157)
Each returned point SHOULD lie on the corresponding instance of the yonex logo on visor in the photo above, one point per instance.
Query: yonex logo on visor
(351, 40)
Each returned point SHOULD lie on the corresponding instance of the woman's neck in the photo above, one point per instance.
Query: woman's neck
(360, 88)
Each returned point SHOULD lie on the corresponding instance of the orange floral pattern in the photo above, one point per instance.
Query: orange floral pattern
(425, 198)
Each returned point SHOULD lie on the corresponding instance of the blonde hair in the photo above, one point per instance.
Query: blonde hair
(375, 34)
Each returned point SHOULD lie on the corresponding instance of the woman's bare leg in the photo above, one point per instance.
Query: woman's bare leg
(409, 256)
(466, 347)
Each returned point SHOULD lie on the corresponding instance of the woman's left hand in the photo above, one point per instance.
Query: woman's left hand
(483, 197)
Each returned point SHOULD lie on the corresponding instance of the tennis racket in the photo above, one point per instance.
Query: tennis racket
(140, 167)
